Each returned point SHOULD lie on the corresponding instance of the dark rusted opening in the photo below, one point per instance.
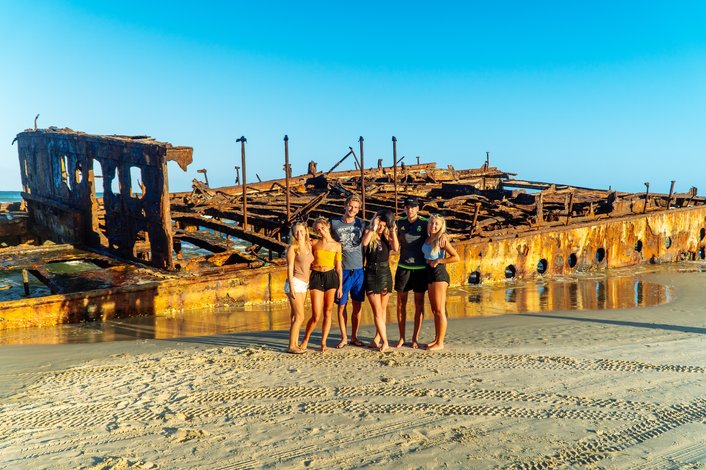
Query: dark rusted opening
(600, 255)
(474, 278)
(573, 260)
(510, 271)
(702, 233)
(702, 253)
(638, 246)
(542, 266)
(668, 242)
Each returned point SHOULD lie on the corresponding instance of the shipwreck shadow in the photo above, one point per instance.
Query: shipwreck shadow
(656, 326)
(277, 340)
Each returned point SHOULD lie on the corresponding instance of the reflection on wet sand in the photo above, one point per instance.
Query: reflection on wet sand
(558, 294)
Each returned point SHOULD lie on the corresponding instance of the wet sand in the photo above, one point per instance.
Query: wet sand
(622, 388)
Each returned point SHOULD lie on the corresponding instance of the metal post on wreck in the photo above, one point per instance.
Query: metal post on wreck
(362, 177)
(647, 194)
(475, 218)
(205, 175)
(671, 193)
(242, 141)
(25, 281)
(287, 172)
(570, 208)
(394, 168)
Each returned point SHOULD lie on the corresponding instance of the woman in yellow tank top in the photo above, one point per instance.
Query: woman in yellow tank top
(325, 281)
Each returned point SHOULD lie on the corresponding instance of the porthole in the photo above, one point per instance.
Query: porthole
(542, 266)
(638, 246)
(668, 242)
(573, 260)
(510, 271)
(600, 255)
(702, 233)
(702, 253)
(474, 278)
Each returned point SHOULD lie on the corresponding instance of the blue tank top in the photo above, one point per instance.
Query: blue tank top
(426, 249)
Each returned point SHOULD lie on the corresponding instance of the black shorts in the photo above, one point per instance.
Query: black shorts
(323, 280)
(437, 274)
(410, 279)
(378, 279)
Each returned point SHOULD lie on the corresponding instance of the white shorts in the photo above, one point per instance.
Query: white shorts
(299, 285)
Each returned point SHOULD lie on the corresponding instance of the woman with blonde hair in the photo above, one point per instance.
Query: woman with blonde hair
(378, 241)
(299, 259)
(438, 252)
(325, 282)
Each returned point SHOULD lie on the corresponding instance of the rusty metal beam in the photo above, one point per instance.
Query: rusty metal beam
(237, 232)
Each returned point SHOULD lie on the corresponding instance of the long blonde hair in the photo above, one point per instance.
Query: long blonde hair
(293, 240)
(435, 239)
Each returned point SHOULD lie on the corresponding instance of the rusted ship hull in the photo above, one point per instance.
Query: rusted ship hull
(503, 228)
(490, 258)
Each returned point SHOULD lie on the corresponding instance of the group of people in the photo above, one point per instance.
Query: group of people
(351, 260)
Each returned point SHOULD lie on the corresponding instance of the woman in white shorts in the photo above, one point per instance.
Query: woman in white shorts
(299, 258)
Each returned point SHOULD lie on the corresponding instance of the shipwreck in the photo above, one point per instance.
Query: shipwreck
(104, 202)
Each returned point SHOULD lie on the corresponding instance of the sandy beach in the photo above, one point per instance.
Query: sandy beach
(621, 388)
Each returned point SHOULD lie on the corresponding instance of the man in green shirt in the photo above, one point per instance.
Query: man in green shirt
(412, 233)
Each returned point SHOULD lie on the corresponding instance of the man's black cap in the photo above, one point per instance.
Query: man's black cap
(411, 202)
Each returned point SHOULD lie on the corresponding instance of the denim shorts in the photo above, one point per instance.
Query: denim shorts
(299, 285)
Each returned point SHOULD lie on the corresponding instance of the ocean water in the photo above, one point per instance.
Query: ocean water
(10, 196)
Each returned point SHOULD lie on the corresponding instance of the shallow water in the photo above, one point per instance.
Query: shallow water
(619, 289)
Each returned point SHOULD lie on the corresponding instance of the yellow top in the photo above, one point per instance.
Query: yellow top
(324, 260)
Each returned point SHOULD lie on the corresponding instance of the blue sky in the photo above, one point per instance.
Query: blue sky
(586, 93)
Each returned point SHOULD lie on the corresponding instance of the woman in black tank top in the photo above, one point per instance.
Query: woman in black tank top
(379, 239)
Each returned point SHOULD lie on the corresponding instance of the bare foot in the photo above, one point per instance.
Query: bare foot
(296, 350)
(323, 348)
(303, 346)
(384, 347)
(435, 347)
(430, 345)
(399, 343)
(357, 342)
(415, 345)
(342, 344)
(373, 345)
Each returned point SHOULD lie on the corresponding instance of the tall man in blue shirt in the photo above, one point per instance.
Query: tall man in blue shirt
(348, 230)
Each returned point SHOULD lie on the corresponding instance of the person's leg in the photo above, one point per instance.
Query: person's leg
(342, 304)
(401, 316)
(317, 304)
(432, 303)
(342, 324)
(329, 297)
(381, 318)
(437, 300)
(374, 300)
(297, 304)
(357, 295)
(355, 322)
(418, 318)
